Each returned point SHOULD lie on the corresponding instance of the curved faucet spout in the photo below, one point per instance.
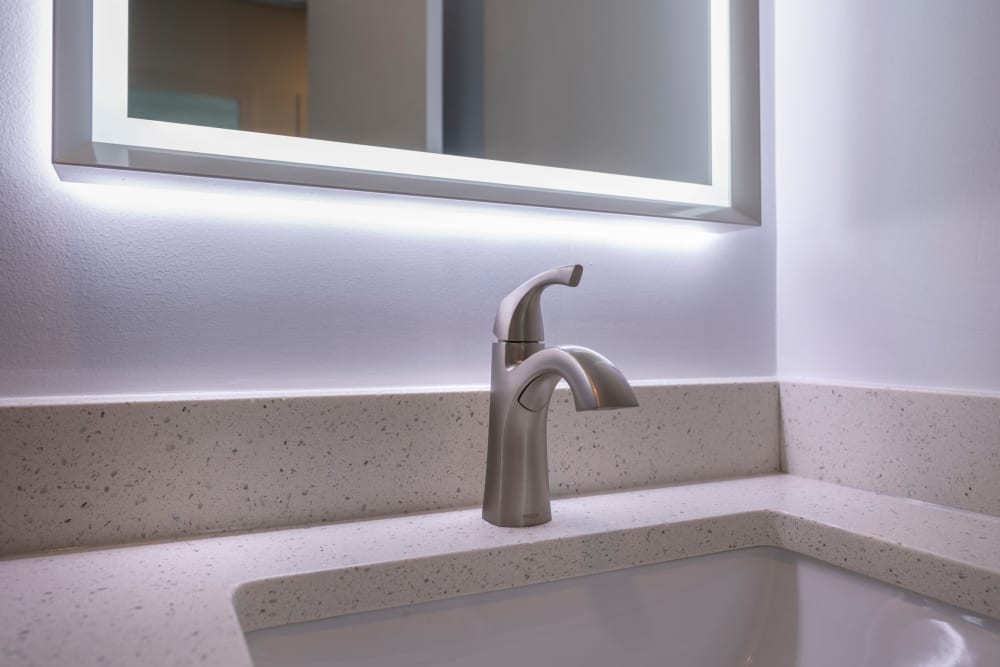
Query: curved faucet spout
(517, 467)
(595, 382)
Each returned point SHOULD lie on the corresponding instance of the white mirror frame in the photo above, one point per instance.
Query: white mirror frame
(94, 140)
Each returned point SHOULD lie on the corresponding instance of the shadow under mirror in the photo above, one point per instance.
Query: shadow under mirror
(612, 86)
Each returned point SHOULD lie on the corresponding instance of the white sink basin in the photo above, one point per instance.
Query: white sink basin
(759, 606)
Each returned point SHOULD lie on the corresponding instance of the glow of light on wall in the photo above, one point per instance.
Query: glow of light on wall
(395, 215)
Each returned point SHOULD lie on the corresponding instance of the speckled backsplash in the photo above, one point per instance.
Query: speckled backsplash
(88, 475)
(934, 446)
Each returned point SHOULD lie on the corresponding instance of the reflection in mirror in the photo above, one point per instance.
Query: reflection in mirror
(219, 62)
(613, 86)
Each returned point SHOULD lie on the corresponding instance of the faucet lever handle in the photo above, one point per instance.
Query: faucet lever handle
(519, 316)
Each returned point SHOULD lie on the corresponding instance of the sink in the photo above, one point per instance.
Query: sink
(760, 606)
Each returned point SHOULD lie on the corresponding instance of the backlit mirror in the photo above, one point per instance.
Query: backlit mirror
(614, 86)
(634, 106)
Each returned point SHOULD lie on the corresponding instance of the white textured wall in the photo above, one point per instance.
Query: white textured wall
(107, 290)
(888, 181)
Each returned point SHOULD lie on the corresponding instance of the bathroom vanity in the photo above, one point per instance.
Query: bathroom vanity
(191, 601)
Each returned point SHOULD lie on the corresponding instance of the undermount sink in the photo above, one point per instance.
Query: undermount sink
(761, 606)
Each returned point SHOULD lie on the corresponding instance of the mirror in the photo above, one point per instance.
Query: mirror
(634, 106)
(614, 86)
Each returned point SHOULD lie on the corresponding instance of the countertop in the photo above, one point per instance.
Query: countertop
(188, 602)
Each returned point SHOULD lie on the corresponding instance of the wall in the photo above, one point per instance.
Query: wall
(888, 181)
(106, 290)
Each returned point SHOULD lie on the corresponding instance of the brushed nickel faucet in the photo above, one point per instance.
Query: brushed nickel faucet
(524, 375)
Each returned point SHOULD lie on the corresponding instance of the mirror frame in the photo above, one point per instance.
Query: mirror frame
(94, 140)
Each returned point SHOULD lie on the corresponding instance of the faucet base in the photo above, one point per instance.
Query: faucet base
(524, 521)
(517, 465)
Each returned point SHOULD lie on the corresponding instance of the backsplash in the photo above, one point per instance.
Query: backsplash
(90, 475)
(938, 447)
(101, 474)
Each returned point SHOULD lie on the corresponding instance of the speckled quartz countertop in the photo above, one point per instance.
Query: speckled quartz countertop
(188, 602)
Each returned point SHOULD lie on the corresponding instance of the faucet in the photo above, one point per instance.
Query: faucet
(524, 375)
